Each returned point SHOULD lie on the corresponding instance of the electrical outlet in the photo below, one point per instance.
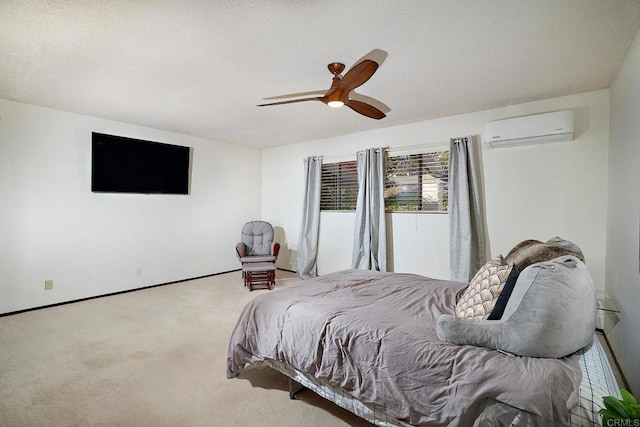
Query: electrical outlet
(139, 272)
(48, 285)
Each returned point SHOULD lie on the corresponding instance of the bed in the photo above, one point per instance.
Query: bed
(367, 341)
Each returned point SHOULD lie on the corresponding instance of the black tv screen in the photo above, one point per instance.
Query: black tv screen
(127, 165)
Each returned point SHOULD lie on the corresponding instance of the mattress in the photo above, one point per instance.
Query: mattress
(598, 381)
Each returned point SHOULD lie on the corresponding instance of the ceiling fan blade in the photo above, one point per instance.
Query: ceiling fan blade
(355, 96)
(291, 101)
(365, 109)
(358, 75)
(296, 95)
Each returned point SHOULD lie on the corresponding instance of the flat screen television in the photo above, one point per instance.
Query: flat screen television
(127, 165)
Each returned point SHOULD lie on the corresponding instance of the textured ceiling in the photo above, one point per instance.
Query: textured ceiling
(200, 67)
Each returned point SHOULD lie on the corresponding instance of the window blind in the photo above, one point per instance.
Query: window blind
(416, 182)
(339, 186)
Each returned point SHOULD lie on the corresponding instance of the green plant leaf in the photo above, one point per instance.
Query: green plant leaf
(616, 406)
(633, 410)
(607, 414)
(628, 397)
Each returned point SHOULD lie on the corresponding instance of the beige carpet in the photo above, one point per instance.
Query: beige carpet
(155, 357)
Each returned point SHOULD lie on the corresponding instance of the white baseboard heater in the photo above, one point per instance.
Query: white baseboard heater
(534, 129)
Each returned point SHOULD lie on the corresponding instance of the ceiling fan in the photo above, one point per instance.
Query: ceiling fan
(341, 87)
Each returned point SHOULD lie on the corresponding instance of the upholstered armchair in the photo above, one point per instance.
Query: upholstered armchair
(257, 243)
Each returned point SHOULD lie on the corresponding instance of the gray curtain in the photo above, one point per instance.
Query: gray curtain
(309, 229)
(370, 236)
(467, 234)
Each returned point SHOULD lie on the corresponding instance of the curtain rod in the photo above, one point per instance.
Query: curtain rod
(389, 149)
(425, 145)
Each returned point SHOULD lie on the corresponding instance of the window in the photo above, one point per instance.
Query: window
(339, 186)
(417, 182)
(413, 183)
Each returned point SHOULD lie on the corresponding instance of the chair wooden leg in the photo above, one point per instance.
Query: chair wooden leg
(259, 275)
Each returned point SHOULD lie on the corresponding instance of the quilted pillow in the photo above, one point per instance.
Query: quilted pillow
(507, 290)
(479, 298)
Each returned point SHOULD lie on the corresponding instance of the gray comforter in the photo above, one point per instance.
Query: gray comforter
(374, 335)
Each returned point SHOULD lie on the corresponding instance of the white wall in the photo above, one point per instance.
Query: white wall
(53, 227)
(532, 192)
(623, 278)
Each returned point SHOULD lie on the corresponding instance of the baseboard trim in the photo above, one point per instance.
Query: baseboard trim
(10, 313)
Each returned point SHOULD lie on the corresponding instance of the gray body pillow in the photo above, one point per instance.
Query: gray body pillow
(551, 313)
(532, 251)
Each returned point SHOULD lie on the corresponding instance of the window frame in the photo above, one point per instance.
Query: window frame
(433, 163)
(339, 193)
(339, 181)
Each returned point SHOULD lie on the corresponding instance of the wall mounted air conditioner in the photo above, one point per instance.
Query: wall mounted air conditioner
(538, 128)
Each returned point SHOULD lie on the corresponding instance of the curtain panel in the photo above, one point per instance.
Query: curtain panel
(467, 232)
(307, 258)
(370, 234)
